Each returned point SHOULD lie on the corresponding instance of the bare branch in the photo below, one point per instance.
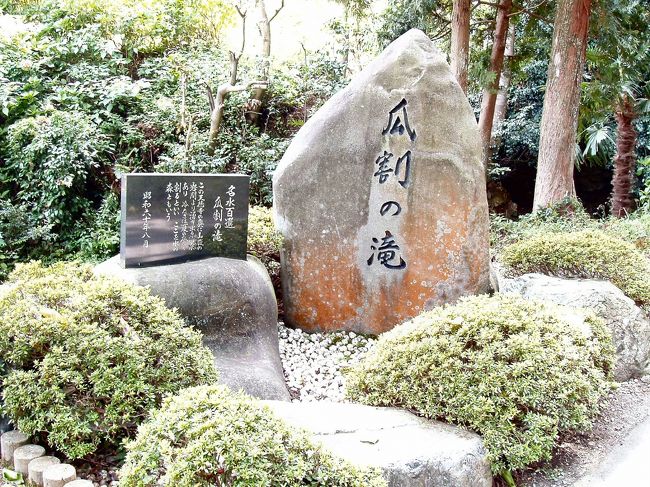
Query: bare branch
(210, 97)
(524, 10)
(277, 12)
(227, 89)
(490, 4)
(242, 13)
(243, 32)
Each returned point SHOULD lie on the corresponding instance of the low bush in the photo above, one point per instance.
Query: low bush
(569, 216)
(209, 436)
(21, 235)
(264, 242)
(510, 369)
(585, 254)
(89, 356)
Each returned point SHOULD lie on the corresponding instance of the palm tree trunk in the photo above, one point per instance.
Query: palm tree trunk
(625, 159)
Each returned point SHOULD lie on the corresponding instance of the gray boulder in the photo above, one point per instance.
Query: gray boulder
(629, 324)
(233, 304)
(411, 451)
(381, 198)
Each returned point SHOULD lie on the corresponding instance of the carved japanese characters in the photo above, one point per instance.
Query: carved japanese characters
(381, 198)
(172, 218)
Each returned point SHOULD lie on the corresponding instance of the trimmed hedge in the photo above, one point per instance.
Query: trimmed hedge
(89, 356)
(585, 254)
(510, 369)
(210, 436)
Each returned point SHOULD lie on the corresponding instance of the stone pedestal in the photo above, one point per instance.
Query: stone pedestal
(233, 304)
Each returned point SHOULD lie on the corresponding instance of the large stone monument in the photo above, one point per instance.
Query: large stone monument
(381, 197)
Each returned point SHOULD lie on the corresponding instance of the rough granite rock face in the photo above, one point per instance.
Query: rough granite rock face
(233, 304)
(411, 451)
(381, 198)
(629, 324)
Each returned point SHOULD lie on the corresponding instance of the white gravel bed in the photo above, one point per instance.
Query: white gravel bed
(312, 362)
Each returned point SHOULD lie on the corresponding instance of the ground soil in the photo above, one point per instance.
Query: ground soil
(580, 454)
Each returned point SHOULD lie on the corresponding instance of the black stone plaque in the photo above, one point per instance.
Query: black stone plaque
(171, 218)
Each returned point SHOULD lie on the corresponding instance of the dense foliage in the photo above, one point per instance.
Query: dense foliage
(210, 436)
(90, 90)
(568, 216)
(89, 356)
(264, 242)
(510, 369)
(586, 254)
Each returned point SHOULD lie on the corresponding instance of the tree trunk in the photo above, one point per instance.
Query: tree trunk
(460, 41)
(559, 124)
(217, 106)
(501, 104)
(496, 64)
(625, 159)
(264, 27)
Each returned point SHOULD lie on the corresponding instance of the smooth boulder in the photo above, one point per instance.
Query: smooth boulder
(381, 198)
(232, 302)
(410, 451)
(629, 324)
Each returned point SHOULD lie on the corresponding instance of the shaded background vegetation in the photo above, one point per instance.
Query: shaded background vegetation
(90, 90)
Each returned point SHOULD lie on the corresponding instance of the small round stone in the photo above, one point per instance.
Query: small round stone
(37, 466)
(59, 475)
(9, 442)
(25, 454)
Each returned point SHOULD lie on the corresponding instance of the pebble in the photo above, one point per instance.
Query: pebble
(313, 362)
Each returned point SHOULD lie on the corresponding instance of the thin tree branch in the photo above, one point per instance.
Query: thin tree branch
(490, 4)
(522, 9)
(210, 97)
(276, 12)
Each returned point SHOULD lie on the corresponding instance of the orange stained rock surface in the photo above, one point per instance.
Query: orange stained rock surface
(338, 297)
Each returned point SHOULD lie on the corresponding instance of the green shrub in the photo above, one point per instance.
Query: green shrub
(264, 242)
(634, 229)
(565, 216)
(510, 369)
(569, 216)
(50, 159)
(21, 235)
(89, 356)
(585, 254)
(99, 239)
(209, 436)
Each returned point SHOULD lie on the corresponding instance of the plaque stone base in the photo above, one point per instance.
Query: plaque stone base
(233, 304)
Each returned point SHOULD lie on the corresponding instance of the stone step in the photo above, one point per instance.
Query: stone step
(25, 454)
(59, 475)
(79, 483)
(37, 466)
(9, 442)
(411, 451)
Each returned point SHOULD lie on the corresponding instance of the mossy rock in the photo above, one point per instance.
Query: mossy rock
(509, 369)
(209, 436)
